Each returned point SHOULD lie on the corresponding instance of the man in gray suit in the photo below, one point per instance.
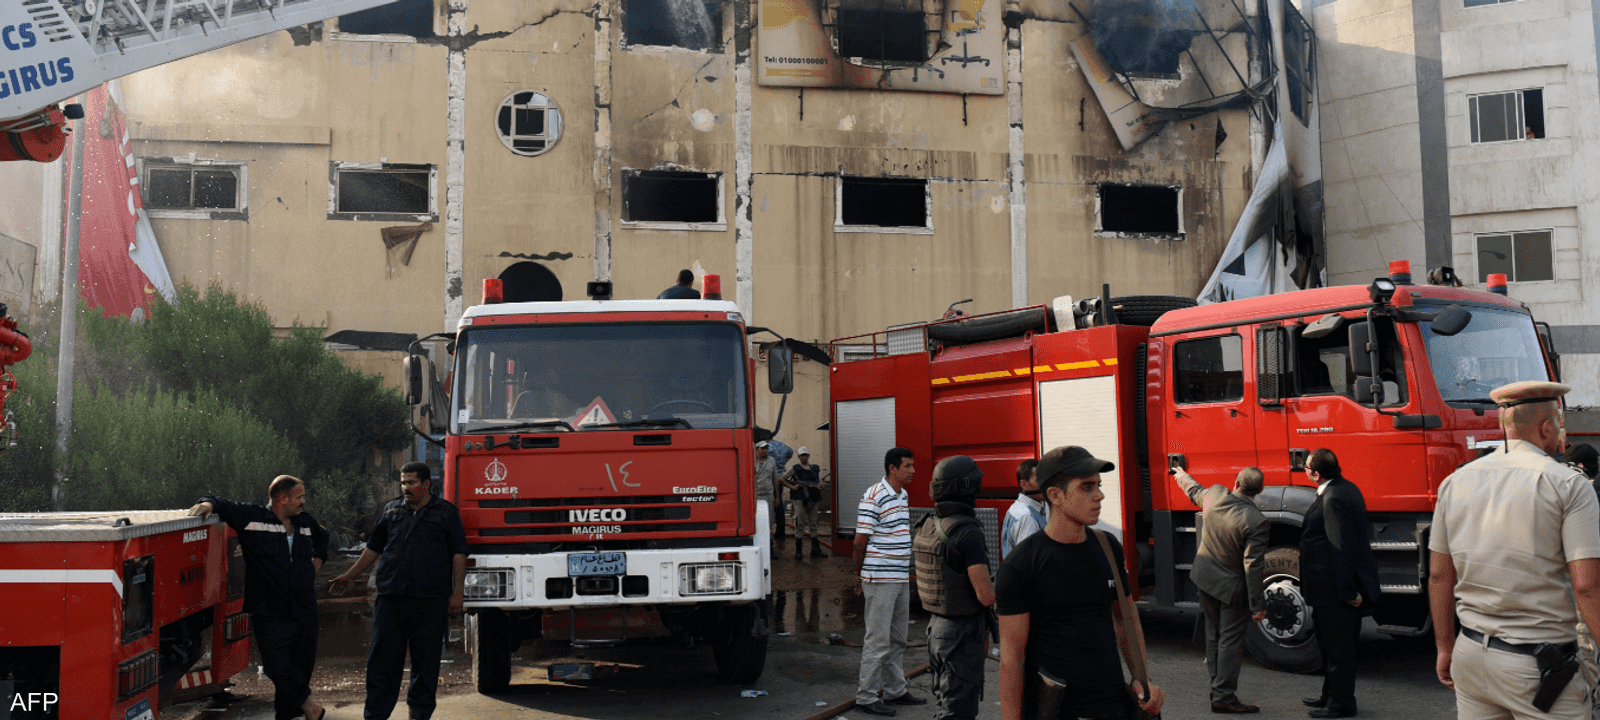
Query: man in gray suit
(1229, 570)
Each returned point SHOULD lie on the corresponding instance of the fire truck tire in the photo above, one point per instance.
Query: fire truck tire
(489, 633)
(1144, 310)
(994, 327)
(1286, 640)
(742, 654)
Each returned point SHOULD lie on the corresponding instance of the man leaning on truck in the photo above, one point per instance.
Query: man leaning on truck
(1516, 536)
(283, 550)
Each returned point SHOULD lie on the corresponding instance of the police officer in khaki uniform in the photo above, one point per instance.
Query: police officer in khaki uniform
(1516, 536)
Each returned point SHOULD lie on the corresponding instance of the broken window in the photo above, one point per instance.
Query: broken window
(176, 184)
(382, 191)
(887, 31)
(401, 17)
(880, 202)
(1299, 57)
(529, 123)
(1139, 209)
(1144, 39)
(692, 24)
(671, 196)
(1523, 256)
(1502, 116)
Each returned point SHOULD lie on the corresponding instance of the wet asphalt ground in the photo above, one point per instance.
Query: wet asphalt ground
(806, 672)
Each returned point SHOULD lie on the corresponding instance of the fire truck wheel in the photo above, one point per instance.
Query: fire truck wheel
(742, 654)
(1286, 640)
(489, 631)
(1144, 310)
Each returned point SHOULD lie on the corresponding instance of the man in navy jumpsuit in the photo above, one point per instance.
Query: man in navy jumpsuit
(283, 550)
(424, 551)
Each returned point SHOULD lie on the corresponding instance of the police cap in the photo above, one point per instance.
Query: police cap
(955, 477)
(1528, 391)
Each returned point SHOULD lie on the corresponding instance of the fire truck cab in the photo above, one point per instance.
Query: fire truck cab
(1393, 378)
(601, 455)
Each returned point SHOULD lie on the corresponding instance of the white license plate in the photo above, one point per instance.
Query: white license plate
(605, 563)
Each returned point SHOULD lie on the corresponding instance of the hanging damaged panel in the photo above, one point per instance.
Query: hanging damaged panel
(1132, 120)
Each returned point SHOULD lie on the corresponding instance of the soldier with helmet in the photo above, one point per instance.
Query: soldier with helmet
(952, 562)
(1515, 539)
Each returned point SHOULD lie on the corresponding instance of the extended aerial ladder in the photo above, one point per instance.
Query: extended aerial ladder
(51, 50)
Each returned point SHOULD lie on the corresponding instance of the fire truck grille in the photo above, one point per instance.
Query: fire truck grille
(583, 530)
(542, 517)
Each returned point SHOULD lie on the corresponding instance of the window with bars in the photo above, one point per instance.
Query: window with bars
(529, 123)
(874, 203)
(171, 186)
(1505, 116)
(1300, 59)
(1523, 256)
(382, 191)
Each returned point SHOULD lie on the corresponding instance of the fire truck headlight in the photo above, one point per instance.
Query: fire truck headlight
(490, 584)
(711, 579)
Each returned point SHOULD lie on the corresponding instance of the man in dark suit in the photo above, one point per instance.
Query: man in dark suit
(1339, 579)
(1229, 571)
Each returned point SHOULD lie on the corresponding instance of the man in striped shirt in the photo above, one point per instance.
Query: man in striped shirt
(883, 559)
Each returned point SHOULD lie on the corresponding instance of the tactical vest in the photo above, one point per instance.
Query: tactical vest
(807, 477)
(943, 590)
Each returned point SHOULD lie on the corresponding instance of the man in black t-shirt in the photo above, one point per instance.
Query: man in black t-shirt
(1057, 603)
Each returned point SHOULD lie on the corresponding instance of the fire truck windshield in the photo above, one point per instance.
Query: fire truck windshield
(545, 378)
(1496, 348)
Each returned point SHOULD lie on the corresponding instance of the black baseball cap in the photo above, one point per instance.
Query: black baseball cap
(1073, 461)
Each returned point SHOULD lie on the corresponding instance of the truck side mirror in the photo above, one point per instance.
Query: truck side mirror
(414, 378)
(1360, 337)
(1451, 320)
(780, 370)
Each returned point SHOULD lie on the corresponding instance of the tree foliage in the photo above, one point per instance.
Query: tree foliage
(205, 397)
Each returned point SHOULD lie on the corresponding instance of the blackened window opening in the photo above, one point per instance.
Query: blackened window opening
(183, 188)
(401, 17)
(878, 34)
(884, 202)
(669, 196)
(376, 191)
(1139, 209)
(691, 24)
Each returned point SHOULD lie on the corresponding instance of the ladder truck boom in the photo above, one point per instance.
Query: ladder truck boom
(51, 50)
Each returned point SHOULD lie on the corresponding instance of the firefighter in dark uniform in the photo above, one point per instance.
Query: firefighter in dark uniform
(420, 583)
(952, 562)
(283, 550)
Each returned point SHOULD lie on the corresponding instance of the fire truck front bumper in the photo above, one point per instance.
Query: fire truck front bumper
(633, 577)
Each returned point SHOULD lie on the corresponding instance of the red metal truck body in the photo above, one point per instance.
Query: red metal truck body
(1244, 383)
(97, 611)
(601, 455)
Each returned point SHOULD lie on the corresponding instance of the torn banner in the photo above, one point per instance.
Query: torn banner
(120, 267)
(1263, 256)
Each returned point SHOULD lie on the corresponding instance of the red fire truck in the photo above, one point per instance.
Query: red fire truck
(114, 615)
(601, 454)
(1394, 378)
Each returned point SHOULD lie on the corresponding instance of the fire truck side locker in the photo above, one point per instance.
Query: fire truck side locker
(110, 611)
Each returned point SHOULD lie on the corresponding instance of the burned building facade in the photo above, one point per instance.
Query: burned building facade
(843, 165)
